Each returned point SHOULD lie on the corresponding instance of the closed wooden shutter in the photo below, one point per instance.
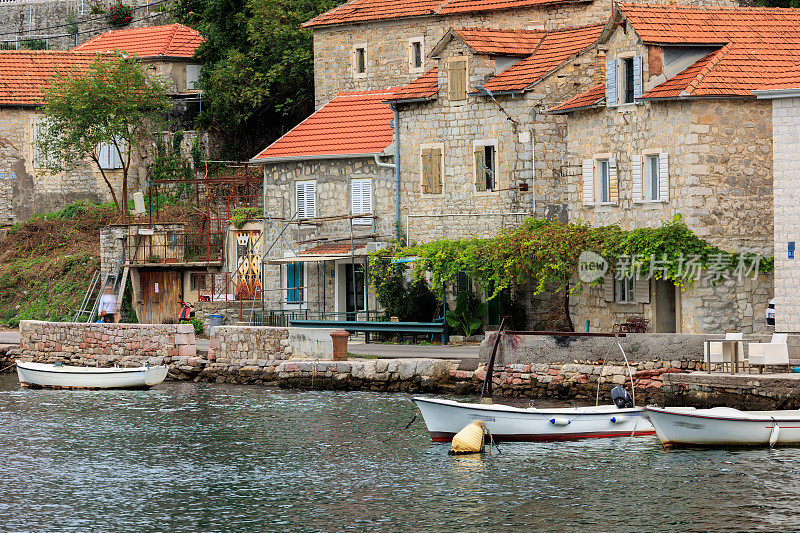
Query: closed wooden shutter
(588, 182)
(361, 200)
(641, 290)
(427, 172)
(306, 197)
(636, 174)
(436, 171)
(611, 83)
(37, 161)
(608, 288)
(108, 156)
(480, 168)
(458, 79)
(613, 181)
(663, 177)
(637, 76)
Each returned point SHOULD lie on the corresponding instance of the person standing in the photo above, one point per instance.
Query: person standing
(107, 308)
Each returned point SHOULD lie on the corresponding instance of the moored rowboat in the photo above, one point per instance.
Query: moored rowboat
(445, 418)
(724, 426)
(39, 375)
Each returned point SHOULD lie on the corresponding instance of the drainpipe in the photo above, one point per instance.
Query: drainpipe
(395, 166)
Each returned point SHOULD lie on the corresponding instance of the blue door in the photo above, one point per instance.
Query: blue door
(294, 283)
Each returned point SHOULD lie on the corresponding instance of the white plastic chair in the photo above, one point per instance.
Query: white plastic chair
(770, 353)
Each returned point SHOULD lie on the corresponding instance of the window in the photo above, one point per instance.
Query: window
(38, 158)
(197, 282)
(651, 190)
(626, 77)
(457, 78)
(192, 77)
(602, 180)
(294, 283)
(361, 200)
(625, 292)
(360, 60)
(306, 198)
(108, 156)
(415, 55)
(485, 167)
(431, 169)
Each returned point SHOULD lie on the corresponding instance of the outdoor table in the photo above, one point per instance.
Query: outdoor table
(728, 347)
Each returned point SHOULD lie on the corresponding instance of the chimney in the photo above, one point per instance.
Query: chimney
(599, 67)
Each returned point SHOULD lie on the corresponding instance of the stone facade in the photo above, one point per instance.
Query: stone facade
(786, 192)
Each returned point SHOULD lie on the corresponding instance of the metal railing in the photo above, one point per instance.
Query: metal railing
(172, 247)
(283, 317)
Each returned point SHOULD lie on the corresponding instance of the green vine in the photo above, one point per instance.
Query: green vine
(243, 214)
(545, 254)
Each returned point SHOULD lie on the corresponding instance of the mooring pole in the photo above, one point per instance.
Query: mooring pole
(486, 390)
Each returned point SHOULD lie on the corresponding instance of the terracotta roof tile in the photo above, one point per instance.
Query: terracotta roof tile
(364, 10)
(425, 87)
(555, 48)
(331, 249)
(174, 40)
(24, 74)
(356, 123)
(502, 42)
(789, 79)
(590, 98)
(756, 45)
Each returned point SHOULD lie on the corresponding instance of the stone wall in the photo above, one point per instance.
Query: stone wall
(786, 211)
(263, 345)
(81, 344)
(47, 19)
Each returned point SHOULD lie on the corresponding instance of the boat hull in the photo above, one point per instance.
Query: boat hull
(723, 426)
(41, 375)
(445, 418)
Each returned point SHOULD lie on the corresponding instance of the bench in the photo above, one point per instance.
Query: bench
(437, 327)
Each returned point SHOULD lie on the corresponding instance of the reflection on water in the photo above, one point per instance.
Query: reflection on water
(199, 457)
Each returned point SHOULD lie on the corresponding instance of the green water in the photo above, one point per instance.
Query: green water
(198, 457)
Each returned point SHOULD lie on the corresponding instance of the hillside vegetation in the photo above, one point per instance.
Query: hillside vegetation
(46, 264)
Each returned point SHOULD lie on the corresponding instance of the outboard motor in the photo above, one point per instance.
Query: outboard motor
(621, 397)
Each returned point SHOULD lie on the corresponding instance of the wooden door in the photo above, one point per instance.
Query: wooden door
(161, 293)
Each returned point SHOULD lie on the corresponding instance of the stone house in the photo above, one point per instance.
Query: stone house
(26, 187)
(675, 128)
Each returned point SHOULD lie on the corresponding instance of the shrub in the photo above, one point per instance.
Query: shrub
(119, 14)
(197, 323)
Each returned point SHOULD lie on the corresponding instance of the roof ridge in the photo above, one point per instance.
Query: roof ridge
(175, 28)
(717, 55)
(706, 8)
(572, 28)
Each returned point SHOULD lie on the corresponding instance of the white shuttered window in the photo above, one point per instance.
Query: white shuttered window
(38, 159)
(361, 200)
(306, 198)
(108, 156)
(650, 177)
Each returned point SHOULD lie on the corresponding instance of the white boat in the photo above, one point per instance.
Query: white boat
(39, 375)
(445, 418)
(724, 426)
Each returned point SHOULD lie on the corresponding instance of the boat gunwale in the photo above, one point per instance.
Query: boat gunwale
(727, 418)
(90, 370)
(531, 410)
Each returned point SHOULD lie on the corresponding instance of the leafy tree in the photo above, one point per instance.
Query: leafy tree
(258, 67)
(115, 102)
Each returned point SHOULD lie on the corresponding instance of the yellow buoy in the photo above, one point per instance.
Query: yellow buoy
(470, 439)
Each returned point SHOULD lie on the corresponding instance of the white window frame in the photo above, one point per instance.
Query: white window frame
(193, 74)
(428, 146)
(304, 213)
(484, 143)
(412, 68)
(647, 157)
(622, 84)
(598, 190)
(625, 290)
(357, 205)
(354, 66)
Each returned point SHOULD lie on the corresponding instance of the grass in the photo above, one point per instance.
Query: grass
(46, 263)
(351, 355)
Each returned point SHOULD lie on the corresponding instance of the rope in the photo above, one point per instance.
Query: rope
(7, 367)
(397, 432)
(492, 443)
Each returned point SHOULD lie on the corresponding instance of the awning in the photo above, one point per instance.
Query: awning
(309, 258)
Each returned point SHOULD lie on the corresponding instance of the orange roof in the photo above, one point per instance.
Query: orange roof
(555, 48)
(756, 45)
(24, 74)
(501, 42)
(590, 98)
(790, 79)
(174, 40)
(364, 10)
(332, 249)
(423, 88)
(351, 124)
